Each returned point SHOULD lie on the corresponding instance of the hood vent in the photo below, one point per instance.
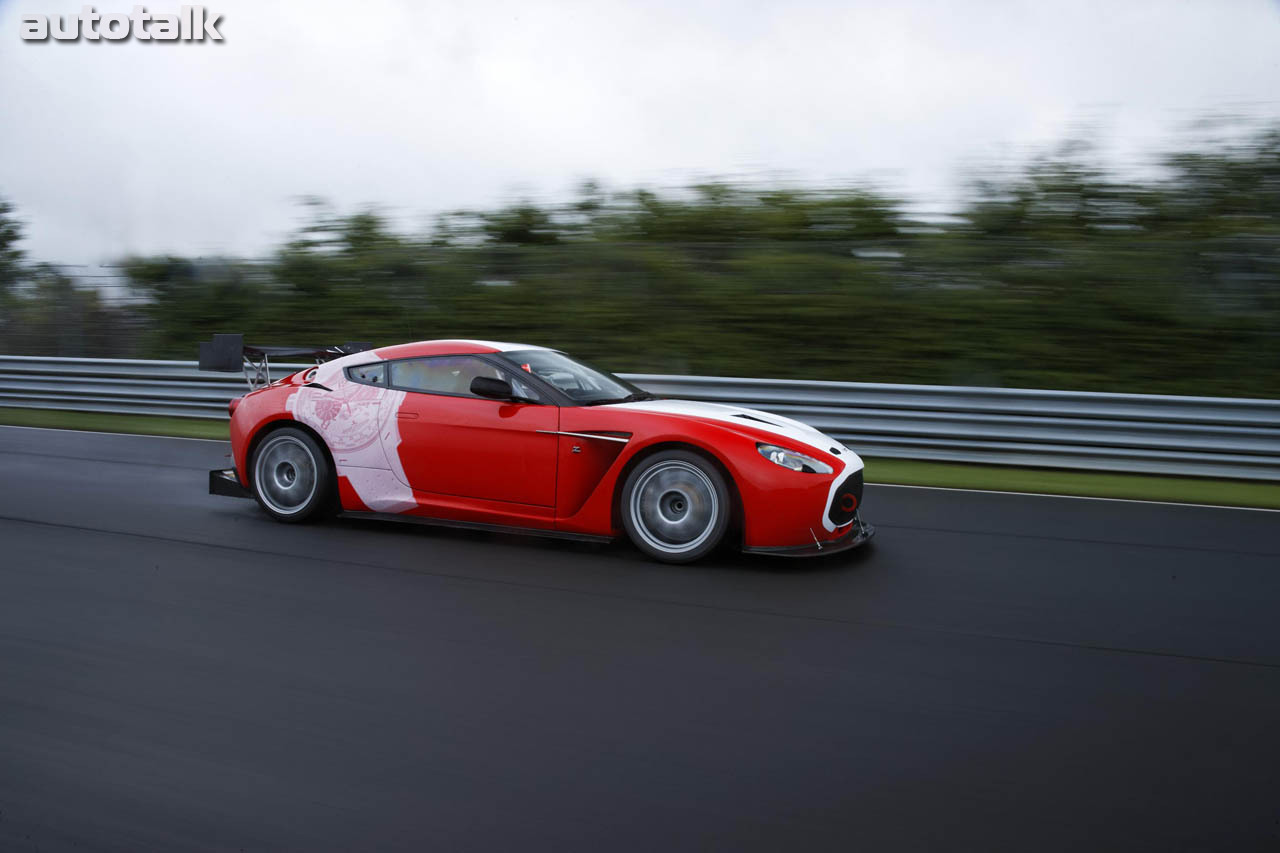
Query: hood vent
(757, 420)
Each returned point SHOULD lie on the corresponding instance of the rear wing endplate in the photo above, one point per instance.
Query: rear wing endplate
(230, 354)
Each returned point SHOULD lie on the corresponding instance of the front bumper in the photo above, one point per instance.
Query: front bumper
(858, 534)
(225, 481)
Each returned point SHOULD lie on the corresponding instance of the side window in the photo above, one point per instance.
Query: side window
(369, 374)
(451, 374)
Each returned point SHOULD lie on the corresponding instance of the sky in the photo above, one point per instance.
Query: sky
(110, 149)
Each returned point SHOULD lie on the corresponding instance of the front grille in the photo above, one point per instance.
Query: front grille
(847, 499)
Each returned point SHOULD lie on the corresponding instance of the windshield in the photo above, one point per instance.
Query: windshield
(581, 383)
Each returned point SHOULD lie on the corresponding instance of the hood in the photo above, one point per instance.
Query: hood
(796, 434)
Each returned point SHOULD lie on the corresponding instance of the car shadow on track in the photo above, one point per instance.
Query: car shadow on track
(725, 558)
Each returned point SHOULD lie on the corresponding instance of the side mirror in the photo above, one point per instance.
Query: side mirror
(494, 389)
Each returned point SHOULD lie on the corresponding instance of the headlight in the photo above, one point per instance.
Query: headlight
(791, 459)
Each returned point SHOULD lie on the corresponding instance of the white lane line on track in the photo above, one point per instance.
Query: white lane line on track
(128, 434)
(877, 485)
(1070, 497)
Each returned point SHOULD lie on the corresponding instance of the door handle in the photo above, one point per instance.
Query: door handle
(408, 416)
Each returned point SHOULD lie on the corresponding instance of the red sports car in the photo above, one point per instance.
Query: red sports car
(498, 435)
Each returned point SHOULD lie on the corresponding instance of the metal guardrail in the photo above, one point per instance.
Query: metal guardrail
(1197, 436)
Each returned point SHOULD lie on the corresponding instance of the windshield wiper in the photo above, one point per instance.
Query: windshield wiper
(630, 398)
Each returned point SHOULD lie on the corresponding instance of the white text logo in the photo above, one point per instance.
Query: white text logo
(191, 23)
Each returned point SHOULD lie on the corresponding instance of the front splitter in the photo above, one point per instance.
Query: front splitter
(859, 534)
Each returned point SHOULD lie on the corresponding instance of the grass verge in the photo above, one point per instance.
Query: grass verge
(1095, 484)
(908, 472)
(102, 422)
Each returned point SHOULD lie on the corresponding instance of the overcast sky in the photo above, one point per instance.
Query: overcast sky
(127, 147)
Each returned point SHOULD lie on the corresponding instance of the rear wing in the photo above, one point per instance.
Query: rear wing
(230, 354)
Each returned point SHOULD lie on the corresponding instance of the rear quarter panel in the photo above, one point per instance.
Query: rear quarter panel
(255, 411)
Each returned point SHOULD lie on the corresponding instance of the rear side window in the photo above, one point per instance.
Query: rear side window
(452, 374)
(369, 374)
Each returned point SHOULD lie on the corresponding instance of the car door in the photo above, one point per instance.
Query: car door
(455, 443)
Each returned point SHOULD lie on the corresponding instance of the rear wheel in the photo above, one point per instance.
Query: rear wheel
(675, 506)
(291, 476)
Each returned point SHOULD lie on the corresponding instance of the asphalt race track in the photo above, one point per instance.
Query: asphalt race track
(997, 672)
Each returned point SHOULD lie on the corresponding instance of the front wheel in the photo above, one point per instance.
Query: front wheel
(291, 476)
(675, 506)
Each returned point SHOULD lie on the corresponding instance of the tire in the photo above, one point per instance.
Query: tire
(675, 506)
(292, 479)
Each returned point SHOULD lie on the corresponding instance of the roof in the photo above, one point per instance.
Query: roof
(454, 346)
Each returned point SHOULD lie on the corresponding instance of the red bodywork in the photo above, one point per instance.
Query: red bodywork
(470, 459)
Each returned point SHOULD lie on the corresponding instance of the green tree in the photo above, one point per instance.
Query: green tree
(1061, 275)
(10, 252)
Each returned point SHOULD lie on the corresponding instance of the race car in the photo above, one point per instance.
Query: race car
(507, 436)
